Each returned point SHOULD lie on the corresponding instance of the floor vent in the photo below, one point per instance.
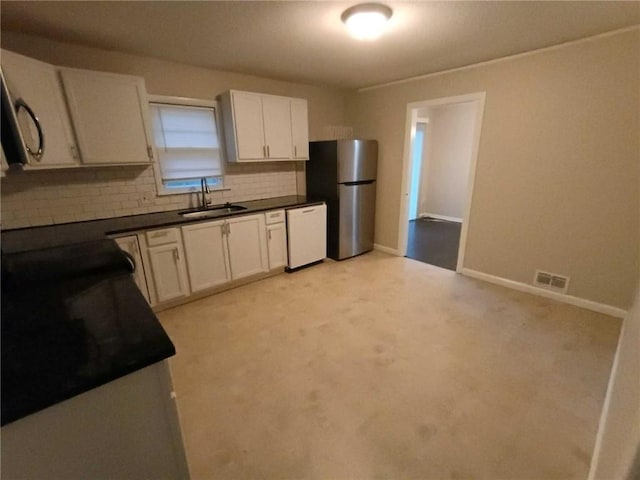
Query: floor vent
(551, 281)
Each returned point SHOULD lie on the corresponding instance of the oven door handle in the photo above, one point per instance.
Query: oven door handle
(20, 103)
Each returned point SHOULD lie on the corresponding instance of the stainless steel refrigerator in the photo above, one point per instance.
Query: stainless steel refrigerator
(343, 174)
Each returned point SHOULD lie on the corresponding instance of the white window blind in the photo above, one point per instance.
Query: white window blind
(187, 142)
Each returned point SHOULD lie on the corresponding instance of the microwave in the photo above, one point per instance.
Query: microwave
(13, 144)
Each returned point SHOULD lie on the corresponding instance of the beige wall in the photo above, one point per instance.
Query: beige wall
(445, 171)
(41, 198)
(556, 186)
(326, 104)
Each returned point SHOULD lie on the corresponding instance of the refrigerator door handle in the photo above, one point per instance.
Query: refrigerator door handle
(361, 182)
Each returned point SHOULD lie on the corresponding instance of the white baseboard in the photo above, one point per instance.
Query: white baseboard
(523, 287)
(384, 249)
(441, 217)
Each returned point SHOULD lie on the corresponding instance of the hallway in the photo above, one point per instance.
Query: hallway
(434, 242)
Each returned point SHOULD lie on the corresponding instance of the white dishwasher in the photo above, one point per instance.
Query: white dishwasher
(306, 235)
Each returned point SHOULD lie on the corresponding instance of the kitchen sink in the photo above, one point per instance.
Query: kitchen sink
(214, 211)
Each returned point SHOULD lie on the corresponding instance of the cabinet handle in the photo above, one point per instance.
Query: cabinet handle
(150, 152)
(269, 234)
(295, 151)
(20, 103)
(74, 151)
(264, 151)
(309, 211)
(176, 254)
(228, 229)
(268, 152)
(160, 234)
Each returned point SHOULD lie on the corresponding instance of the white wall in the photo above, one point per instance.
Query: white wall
(448, 156)
(619, 436)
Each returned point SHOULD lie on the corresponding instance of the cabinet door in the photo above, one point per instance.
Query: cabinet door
(205, 248)
(277, 245)
(247, 246)
(276, 113)
(130, 245)
(37, 84)
(247, 114)
(300, 129)
(109, 113)
(168, 270)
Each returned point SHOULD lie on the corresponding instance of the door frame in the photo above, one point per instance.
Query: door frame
(407, 167)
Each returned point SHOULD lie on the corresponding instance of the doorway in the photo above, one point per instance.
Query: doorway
(441, 146)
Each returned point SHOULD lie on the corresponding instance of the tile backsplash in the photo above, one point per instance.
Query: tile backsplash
(59, 196)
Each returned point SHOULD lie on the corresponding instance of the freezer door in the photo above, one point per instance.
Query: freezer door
(357, 160)
(357, 207)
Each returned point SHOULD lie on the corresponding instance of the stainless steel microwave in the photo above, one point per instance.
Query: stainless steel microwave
(12, 142)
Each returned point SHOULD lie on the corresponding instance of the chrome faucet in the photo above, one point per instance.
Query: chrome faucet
(204, 189)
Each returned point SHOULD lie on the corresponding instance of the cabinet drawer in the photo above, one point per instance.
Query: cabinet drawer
(160, 237)
(277, 216)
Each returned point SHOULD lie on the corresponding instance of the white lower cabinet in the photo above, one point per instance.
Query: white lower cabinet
(168, 274)
(277, 243)
(207, 257)
(130, 245)
(224, 250)
(197, 257)
(276, 239)
(247, 243)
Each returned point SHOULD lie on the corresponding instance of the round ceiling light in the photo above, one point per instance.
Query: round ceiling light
(367, 20)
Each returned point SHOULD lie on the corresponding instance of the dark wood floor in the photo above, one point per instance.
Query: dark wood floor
(434, 241)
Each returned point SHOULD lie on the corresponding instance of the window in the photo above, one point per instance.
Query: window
(186, 138)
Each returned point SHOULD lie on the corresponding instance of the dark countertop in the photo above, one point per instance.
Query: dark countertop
(72, 317)
(24, 239)
(72, 320)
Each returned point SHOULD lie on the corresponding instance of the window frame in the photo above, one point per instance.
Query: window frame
(187, 102)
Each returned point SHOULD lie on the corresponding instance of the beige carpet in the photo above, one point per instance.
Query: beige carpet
(384, 367)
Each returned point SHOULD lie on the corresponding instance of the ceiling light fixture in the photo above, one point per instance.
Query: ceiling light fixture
(367, 20)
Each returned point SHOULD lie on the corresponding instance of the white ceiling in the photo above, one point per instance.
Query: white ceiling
(306, 41)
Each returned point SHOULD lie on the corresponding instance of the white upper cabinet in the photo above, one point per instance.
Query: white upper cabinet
(277, 127)
(300, 129)
(45, 128)
(262, 127)
(249, 130)
(110, 116)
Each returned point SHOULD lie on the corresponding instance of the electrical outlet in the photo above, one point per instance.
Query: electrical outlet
(146, 199)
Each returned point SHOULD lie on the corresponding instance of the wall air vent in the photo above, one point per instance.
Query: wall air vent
(552, 281)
